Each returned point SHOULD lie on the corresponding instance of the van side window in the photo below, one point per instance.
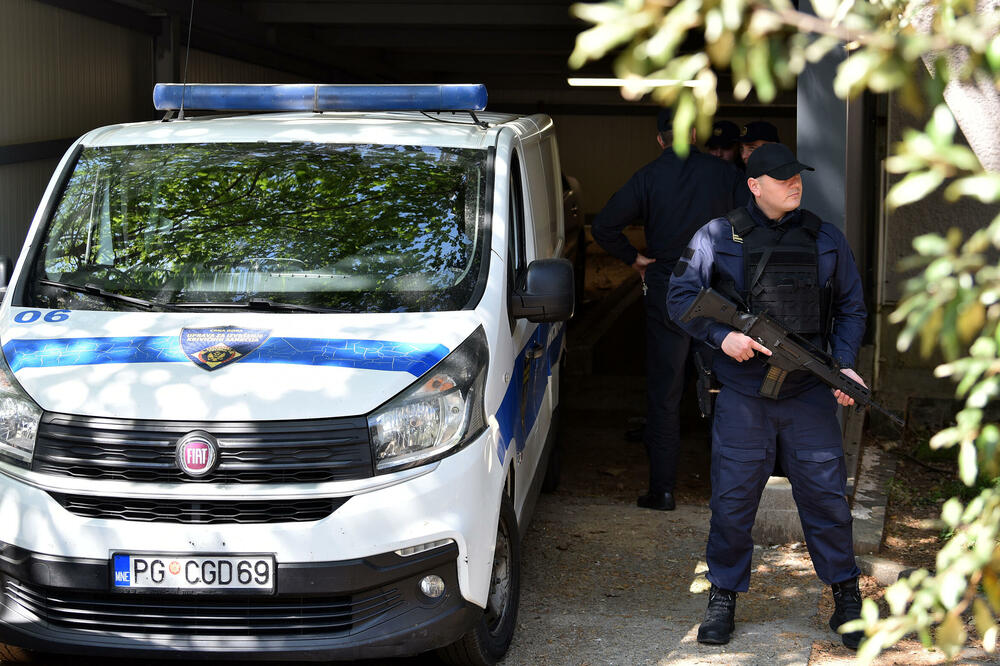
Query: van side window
(515, 239)
(548, 152)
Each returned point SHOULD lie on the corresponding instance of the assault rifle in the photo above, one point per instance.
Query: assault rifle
(789, 351)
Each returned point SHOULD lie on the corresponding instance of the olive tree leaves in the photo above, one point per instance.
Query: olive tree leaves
(917, 49)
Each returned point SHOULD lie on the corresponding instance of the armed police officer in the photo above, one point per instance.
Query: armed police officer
(772, 255)
(673, 197)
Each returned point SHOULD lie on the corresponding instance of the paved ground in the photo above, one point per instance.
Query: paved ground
(608, 583)
(605, 582)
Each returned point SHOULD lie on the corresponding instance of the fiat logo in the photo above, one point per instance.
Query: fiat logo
(197, 453)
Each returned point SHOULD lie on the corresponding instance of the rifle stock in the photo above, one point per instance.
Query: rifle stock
(788, 350)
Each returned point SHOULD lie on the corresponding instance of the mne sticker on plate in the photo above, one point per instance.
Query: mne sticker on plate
(164, 572)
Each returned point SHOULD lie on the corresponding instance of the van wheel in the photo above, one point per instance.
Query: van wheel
(487, 642)
(11, 654)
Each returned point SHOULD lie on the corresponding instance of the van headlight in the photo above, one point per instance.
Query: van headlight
(19, 417)
(437, 415)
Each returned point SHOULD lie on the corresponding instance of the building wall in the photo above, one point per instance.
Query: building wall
(64, 74)
(211, 68)
(900, 375)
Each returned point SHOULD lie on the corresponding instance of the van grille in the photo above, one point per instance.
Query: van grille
(308, 451)
(201, 512)
(186, 615)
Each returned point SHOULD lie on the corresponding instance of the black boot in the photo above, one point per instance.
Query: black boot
(720, 616)
(847, 597)
(658, 501)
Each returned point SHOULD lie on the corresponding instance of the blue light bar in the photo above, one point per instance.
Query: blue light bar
(319, 97)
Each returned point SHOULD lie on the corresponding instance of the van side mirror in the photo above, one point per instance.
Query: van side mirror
(545, 293)
(6, 268)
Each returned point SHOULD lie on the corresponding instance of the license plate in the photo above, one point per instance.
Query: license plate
(150, 571)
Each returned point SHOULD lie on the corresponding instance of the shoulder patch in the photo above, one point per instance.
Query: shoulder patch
(680, 268)
(736, 237)
(688, 252)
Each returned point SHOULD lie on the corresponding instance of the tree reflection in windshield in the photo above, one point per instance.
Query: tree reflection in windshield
(364, 228)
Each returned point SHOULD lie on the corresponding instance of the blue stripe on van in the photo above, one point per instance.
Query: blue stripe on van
(414, 358)
(509, 414)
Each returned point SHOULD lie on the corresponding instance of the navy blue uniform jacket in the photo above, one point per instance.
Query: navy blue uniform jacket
(713, 253)
(674, 198)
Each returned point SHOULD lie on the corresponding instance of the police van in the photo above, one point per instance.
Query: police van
(282, 385)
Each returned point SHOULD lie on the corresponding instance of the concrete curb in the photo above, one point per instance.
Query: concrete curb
(875, 471)
(885, 572)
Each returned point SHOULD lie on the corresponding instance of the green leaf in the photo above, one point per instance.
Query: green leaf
(990, 639)
(967, 467)
(951, 635)
(930, 244)
(941, 126)
(760, 70)
(869, 649)
(897, 596)
(983, 617)
(869, 611)
(993, 54)
(853, 73)
(913, 187)
(684, 116)
(951, 588)
(984, 186)
(951, 512)
(825, 8)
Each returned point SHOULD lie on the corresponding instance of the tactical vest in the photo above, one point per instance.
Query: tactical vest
(781, 273)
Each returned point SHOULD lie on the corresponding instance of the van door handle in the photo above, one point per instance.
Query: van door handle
(535, 351)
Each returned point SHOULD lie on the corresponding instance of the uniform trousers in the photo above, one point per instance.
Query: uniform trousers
(748, 432)
(666, 354)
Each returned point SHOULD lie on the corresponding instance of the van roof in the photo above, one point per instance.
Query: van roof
(448, 129)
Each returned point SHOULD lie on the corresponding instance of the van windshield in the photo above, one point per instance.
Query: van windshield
(303, 226)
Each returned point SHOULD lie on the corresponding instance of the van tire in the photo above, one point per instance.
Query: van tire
(11, 654)
(487, 642)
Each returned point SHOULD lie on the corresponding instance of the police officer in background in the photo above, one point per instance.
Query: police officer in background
(772, 255)
(673, 197)
(754, 135)
(725, 142)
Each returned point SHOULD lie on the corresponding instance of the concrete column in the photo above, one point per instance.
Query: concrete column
(821, 119)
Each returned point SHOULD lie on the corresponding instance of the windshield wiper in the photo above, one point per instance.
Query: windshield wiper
(262, 304)
(94, 290)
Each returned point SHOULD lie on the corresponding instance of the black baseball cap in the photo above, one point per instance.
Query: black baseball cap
(775, 160)
(665, 120)
(724, 133)
(759, 130)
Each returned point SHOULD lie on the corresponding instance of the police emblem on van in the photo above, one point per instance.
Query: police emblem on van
(197, 453)
(217, 347)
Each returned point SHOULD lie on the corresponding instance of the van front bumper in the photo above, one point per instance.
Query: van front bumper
(365, 608)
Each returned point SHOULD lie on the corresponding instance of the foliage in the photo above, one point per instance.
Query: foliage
(953, 302)
(356, 227)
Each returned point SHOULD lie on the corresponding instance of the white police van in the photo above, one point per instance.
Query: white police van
(282, 386)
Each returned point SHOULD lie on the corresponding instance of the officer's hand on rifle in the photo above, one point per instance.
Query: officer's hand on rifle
(741, 347)
(843, 398)
(641, 261)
